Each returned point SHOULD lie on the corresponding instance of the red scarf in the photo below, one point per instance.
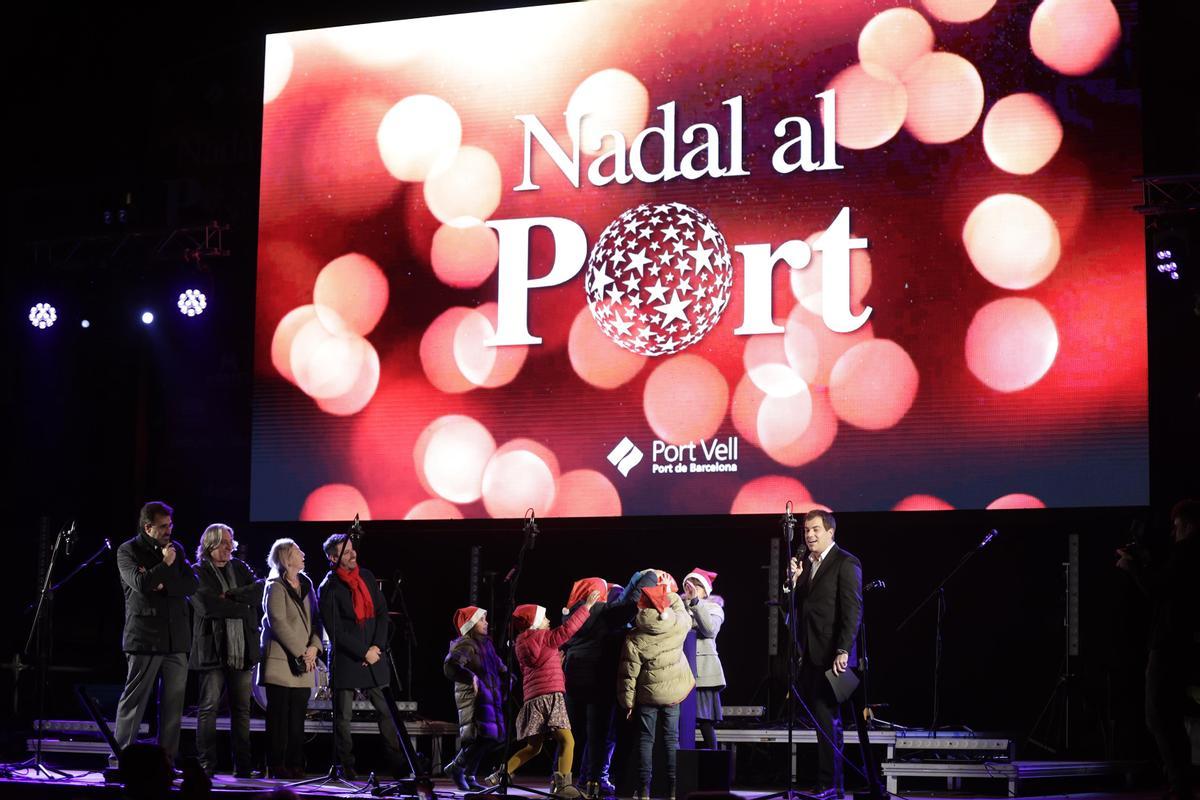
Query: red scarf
(364, 607)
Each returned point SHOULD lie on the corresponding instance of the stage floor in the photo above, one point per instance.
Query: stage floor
(83, 784)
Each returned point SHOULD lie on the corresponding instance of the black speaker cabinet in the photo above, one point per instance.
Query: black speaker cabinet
(702, 771)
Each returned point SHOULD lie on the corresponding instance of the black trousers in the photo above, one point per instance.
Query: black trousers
(1165, 696)
(472, 753)
(827, 715)
(595, 736)
(286, 707)
(235, 683)
(343, 742)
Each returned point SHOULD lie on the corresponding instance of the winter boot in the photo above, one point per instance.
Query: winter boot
(458, 773)
(561, 787)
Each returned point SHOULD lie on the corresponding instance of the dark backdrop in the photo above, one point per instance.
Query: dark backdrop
(159, 114)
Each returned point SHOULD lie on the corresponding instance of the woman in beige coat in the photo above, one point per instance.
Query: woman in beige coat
(654, 678)
(291, 642)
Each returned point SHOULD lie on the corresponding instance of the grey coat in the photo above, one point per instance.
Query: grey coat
(708, 615)
(288, 629)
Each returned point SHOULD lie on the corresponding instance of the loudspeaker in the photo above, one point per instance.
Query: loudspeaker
(702, 771)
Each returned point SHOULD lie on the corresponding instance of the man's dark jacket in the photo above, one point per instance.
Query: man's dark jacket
(156, 620)
(830, 609)
(211, 611)
(349, 640)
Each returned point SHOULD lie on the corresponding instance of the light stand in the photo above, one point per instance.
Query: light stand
(528, 543)
(939, 592)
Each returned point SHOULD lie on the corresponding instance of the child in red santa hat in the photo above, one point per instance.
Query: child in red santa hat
(476, 670)
(708, 614)
(544, 714)
(654, 678)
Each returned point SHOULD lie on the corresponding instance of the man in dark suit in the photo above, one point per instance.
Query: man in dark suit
(354, 612)
(157, 581)
(828, 585)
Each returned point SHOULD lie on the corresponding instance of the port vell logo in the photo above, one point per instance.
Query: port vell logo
(718, 454)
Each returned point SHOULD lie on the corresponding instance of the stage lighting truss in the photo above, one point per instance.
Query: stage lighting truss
(192, 303)
(42, 316)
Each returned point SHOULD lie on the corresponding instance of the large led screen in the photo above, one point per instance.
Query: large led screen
(640, 258)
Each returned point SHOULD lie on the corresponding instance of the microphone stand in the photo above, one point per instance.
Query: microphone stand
(42, 629)
(410, 636)
(939, 592)
(528, 542)
(790, 793)
(336, 776)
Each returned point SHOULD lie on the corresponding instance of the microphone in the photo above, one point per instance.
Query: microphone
(107, 544)
(356, 530)
(992, 534)
(873, 585)
(70, 538)
(788, 521)
(531, 529)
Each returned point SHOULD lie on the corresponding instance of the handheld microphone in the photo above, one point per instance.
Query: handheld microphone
(873, 585)
(70, 538)
(992, 534)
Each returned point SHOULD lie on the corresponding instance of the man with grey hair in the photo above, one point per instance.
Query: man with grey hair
(225, 645)
(157, 581)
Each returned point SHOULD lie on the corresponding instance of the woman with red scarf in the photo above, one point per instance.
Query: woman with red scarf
(354, 612)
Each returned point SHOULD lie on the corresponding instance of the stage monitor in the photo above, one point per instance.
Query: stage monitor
(657, 258)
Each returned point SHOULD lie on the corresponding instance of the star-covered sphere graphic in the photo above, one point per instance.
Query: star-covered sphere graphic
(658, 278)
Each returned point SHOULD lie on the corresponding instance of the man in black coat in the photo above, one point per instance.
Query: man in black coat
(354, 612)
(828, 585)
(225, 645)
(157, 581)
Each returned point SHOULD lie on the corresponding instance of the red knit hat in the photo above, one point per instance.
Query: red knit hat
(526, 616)
(657, 597)
(666, 579)
(465, 618)
(702, 577)
(582, 588)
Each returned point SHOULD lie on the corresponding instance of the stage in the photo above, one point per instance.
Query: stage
(83, 784)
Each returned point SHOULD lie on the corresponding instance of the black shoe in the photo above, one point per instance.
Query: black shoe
(457, 773)
(474, 785)
(249, 774)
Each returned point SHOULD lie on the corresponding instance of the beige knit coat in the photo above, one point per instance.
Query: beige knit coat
(653, 670)
(287, 627)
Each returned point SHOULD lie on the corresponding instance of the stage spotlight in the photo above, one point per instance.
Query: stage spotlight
(192, 303)
(147, 317)
(1165, 264)
(42, 316)
(85, 324)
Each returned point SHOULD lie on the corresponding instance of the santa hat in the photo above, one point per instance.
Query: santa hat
(702, 577)
(582, 588)
(466, 618)
(666, 579)
(657, 597)
(526, 616)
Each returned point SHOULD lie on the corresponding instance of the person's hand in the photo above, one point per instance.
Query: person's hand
(159, 588)
(689, 590)
(475, 683)
(1124, 559)
(141, 570)
(795, 569)
(169, 555)
(841, 663)
(372, 655)
(591, 600)
(310, 658)
(629, 714)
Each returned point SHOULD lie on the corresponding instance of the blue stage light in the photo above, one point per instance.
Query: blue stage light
(42, 316)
